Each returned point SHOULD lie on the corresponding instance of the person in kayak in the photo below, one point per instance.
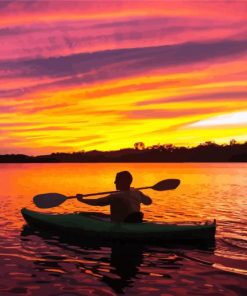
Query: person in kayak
(125, 205)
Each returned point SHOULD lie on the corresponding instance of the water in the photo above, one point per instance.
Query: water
(34, 264)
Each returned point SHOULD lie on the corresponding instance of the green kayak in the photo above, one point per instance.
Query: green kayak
(97, 226)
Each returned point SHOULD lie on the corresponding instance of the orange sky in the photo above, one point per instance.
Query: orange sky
(83, 75)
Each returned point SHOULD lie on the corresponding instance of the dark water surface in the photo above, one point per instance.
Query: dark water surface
(37, 264)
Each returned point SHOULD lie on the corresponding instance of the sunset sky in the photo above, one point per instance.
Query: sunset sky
(84, 75)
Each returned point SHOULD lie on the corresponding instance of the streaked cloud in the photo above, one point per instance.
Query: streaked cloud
(129, 61)
(217, 96)
(172, 113)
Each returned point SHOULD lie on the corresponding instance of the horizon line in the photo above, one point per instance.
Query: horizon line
(235, 142)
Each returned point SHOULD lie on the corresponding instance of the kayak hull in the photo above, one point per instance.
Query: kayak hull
(95, 226)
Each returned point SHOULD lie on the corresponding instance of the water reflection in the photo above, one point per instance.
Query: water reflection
(116, 265)
(125, 260)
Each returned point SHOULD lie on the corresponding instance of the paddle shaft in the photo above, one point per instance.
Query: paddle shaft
(108, 192)
(50, 200)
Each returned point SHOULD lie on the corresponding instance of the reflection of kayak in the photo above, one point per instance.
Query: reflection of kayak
(98, 226)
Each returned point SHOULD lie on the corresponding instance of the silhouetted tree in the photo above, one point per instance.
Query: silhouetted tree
(233, 142)
(139, 146)
(208, 143)
(169, 147)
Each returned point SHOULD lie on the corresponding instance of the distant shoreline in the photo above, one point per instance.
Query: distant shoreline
(204, 153)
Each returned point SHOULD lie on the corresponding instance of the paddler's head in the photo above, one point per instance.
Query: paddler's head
(123, 180)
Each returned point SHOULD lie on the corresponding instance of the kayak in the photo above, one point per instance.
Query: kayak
(95, 226)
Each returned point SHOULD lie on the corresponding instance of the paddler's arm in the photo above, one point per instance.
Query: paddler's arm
(146, 200)
(103, 201)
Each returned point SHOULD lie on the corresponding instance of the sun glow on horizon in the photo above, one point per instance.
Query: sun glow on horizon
(238, 118)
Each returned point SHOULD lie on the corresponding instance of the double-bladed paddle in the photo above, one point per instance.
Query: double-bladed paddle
(50, 200)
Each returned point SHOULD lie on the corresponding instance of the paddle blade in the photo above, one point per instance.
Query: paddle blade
(48, 200)
(167, 184)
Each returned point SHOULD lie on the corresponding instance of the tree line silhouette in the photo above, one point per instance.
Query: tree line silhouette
(205, 152)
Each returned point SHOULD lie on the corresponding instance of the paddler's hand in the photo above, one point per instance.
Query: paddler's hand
(79, 197)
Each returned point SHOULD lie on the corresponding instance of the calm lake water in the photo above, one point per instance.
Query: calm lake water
(34, 264)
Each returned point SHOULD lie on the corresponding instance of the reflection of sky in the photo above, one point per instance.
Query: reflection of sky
(103, 75)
